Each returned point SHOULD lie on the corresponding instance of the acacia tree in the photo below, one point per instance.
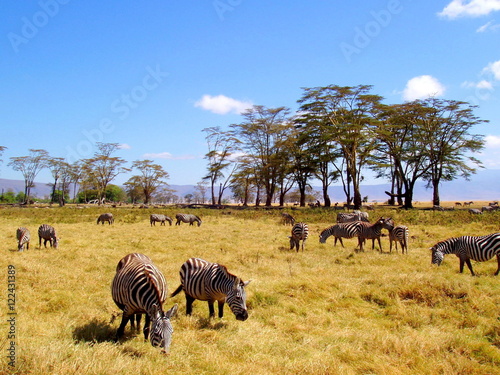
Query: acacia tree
(151, 177)
(262, 136)
(448, 125)
(221, 145)
(103, 168)
(56, 167)
(346, 115)
(30, 166)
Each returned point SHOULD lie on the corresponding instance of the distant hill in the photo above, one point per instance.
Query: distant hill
(483, 186)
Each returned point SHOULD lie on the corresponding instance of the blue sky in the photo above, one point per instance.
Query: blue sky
(150, 76)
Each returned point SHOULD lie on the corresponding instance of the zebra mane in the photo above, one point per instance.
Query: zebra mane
(155, 287)
(228, 274)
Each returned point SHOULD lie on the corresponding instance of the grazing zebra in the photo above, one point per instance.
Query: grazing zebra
(480, 249)
(339, 231)
(373, 232)
(106, 217)
(140, 288)
(399, 234)
(47, 233)
(212, 282)
(153, 218)
(23, 238)
(343, 217)
(187, 218)
(287, 219)
(475, 211)
(300, 232)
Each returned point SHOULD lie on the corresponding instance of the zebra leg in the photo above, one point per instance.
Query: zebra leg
(498, 260)
(379, 244)
(121, 329)
(211, 309)
(221, 309)
(189, 304)
(467, 261)
(146, 327)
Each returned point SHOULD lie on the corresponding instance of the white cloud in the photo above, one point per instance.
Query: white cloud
(124, 146)
(489, 26)
(422, 87)
(222, 104)
(492, 141)
(484, 84)
(472, 8)
(167, 155)
(493, 68)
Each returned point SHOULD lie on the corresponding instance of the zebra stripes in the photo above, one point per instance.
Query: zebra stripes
(106, 217)
(480, 249)
(154, 218)
(187, 218)
(343, 217)
(339, 231)
(47, 233)
(399, 234)
(373, 232)
(212, 282)
(23, 238)
(139, 287)
(300, 232)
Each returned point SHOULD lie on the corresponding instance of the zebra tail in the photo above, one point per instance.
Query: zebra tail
(179, 288)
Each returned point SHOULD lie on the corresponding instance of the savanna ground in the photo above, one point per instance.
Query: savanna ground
(327, 310)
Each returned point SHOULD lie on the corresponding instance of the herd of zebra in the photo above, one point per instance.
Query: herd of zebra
(139, 287)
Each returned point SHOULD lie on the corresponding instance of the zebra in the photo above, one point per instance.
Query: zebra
(287, 218)
(343, 217)
(23, 238)
(339, 231)
(139, 287)
(106, 217)
(475, 211)
(212, 282)
(300, 231)
(373, 232)
(399, 234)
(153, 218)
(47, 233)
(478, 248)
(187, 218)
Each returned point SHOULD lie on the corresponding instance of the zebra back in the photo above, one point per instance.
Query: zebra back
(47, 233)
(399, 234)
(300, 232)
(140, 287)
(23, 238)
(211, 282)
(340, 230)
(343, 217)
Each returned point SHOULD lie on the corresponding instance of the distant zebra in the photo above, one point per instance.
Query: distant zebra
(480, 249)
(23, 238)
(343, 217)
(373, 232)
(300, 232)
(339, 231)
(399, 234)
(106, 217)
(287, 218)
(47, 233)
(212, 282)
(475, 211)
(153, 218)
(139, 287)
(187, 218)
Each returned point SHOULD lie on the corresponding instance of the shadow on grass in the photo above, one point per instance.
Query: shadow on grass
(210, 323)
(97, 331)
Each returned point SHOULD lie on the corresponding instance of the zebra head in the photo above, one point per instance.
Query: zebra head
(323, 236)
(236, 299)
(56, 242)
(161, 328)
(437, 254)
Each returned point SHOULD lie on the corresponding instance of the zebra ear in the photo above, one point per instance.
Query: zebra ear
(172, 312)
(156, 309)
(246, 283)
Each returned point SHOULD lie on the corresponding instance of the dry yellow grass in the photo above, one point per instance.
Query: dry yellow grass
(328, 310)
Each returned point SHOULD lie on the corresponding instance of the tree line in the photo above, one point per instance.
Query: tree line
(337, 133)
